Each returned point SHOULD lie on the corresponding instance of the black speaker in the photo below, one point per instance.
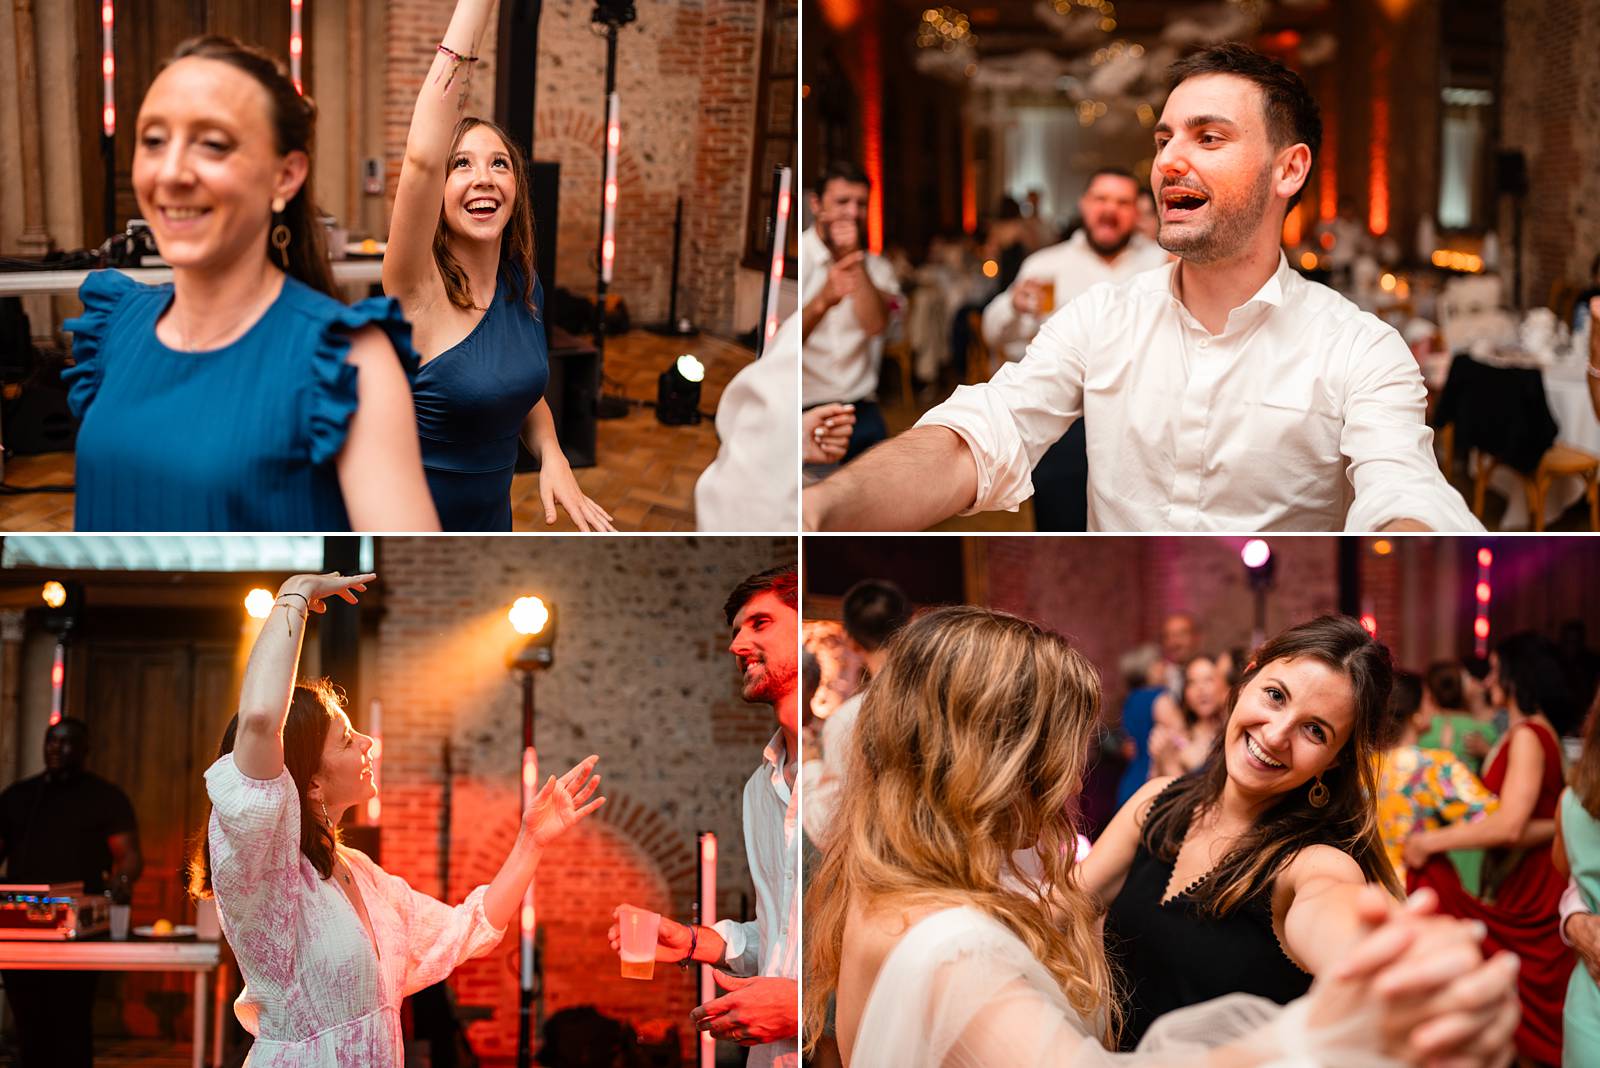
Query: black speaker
(1510, 174)
(572, 392)
(38, 420)
(546, 190)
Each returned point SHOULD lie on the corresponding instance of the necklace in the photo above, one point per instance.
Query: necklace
(188, 342)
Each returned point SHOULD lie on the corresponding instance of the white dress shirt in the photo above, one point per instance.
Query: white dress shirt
(754, 483)
(824, 777)
(840, 361)
(1304, 413)
(1074, 267)
(769, 945)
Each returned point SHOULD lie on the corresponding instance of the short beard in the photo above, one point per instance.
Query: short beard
(771, 689)
(1106, 250)
(1229, 232)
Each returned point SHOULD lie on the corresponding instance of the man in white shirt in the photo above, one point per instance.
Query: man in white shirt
(754, 482)
(762, 1009)
(1223, 392)
(843, 305)
(874, 611)
(1107, 248)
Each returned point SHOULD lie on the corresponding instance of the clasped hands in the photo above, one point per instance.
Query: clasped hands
(1422, 984)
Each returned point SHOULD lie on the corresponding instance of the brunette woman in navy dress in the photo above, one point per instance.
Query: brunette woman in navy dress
(460, 261)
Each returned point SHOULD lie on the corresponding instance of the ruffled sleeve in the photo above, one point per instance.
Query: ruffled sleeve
(102, 294)
(334, 397)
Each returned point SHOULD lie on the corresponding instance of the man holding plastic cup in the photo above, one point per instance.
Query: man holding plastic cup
(762, 957)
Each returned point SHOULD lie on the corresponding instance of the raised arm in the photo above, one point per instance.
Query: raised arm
(920, 477)
(269, 676)
(1105, 869)
(408, 259)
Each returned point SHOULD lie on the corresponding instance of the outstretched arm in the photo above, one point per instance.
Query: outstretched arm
(560, 804)
(915, 480)
(408, 259)
(269, 676)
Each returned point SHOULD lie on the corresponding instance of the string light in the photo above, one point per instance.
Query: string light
(1482, 593)
(297, 46)
(108, 67)
(608, 243)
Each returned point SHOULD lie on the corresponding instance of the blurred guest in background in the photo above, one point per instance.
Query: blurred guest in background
(66, 825)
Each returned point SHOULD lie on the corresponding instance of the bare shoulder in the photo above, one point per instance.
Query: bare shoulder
(1139, 803)
(1317, 863)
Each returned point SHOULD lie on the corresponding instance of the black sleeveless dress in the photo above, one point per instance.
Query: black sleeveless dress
(1175, 953)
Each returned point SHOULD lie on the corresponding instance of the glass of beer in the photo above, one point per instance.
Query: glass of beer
(1047, 297)
(638, 941)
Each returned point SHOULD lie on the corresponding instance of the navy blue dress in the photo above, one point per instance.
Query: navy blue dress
(241, 438)
(471, 402)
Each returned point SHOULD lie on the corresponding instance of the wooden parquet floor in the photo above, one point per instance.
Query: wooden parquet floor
(644, 476)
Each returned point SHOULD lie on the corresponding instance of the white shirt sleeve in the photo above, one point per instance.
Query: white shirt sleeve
(754, 483)
(1389, 445)
(1009, 421)
(1571, 905)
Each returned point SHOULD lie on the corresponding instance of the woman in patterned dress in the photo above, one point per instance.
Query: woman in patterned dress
(328, 942)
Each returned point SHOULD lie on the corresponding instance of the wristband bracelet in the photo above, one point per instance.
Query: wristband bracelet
(1594, 372)
(694, 941)
(304, 614)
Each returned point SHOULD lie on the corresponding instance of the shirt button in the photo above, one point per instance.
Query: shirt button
(1205, 342)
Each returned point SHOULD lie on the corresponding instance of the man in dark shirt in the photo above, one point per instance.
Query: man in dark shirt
(66, 825)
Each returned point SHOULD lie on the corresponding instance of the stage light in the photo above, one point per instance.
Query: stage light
(258, 603)
(1255, 553)
(678, 392)
(1308, 261)
(1483, 593)
(1480, 628)
(706, 914)
(1383, 546)
(54, 594)
(991, 269)
(608, 221)
(297, 46)
(108, 66)
(58, 683)
(1485, 557)
(528, 615)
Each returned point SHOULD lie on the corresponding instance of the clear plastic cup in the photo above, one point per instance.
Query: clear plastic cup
(639, 929)
(120, 915)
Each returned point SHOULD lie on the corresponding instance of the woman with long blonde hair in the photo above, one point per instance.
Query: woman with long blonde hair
(942, 948)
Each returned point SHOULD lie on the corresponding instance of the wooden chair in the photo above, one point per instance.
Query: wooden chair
(903, 356)
(980, 361)
(1561, 460)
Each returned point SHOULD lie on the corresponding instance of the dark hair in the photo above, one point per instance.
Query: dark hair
(782, 581)
(305, 732)
(1404, 700)
(1586, 772)
(516, 243)
(1444, 685)
(1476, 666)
(1292, 115)
(294, 120)
(839, 171)
(1009, 209)
(1349, 820)
(873, 611)
(73, 726)
(1531, 675)
(1115, 172)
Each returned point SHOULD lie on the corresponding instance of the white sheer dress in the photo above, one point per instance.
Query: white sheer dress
(960, 990)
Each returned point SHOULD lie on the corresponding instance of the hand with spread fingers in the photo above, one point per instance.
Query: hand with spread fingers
(558, 486)
(757, 1010)
(562, 803)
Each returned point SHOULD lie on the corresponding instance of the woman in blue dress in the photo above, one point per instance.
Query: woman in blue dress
(460, 261)
(241, 396)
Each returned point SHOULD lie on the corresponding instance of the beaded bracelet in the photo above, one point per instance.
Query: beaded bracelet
(694, 940)
(456, 59)
(306, 614)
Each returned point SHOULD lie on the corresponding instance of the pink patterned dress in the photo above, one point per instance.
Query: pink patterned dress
(318, 993)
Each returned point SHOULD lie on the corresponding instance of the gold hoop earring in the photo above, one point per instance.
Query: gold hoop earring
(1318, 795)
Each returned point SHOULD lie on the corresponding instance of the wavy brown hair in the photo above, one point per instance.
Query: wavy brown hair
(516, 242)
(1348, 822)
(970, 745)
(294, 121)
(305, 731)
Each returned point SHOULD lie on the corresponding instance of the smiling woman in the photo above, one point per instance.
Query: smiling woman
(460, 262)
(242, 396)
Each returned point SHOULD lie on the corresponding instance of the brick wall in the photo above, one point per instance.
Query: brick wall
(686, 78)
(1550, 110)
(641, 676)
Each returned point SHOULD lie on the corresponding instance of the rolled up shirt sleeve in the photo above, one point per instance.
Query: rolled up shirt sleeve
(1389, 446)
(1009, 421)
(742, 946)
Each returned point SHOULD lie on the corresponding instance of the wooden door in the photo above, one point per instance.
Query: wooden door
(156, 711)
(146, 33)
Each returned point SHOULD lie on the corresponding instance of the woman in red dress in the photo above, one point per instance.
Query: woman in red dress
(1521, 886)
